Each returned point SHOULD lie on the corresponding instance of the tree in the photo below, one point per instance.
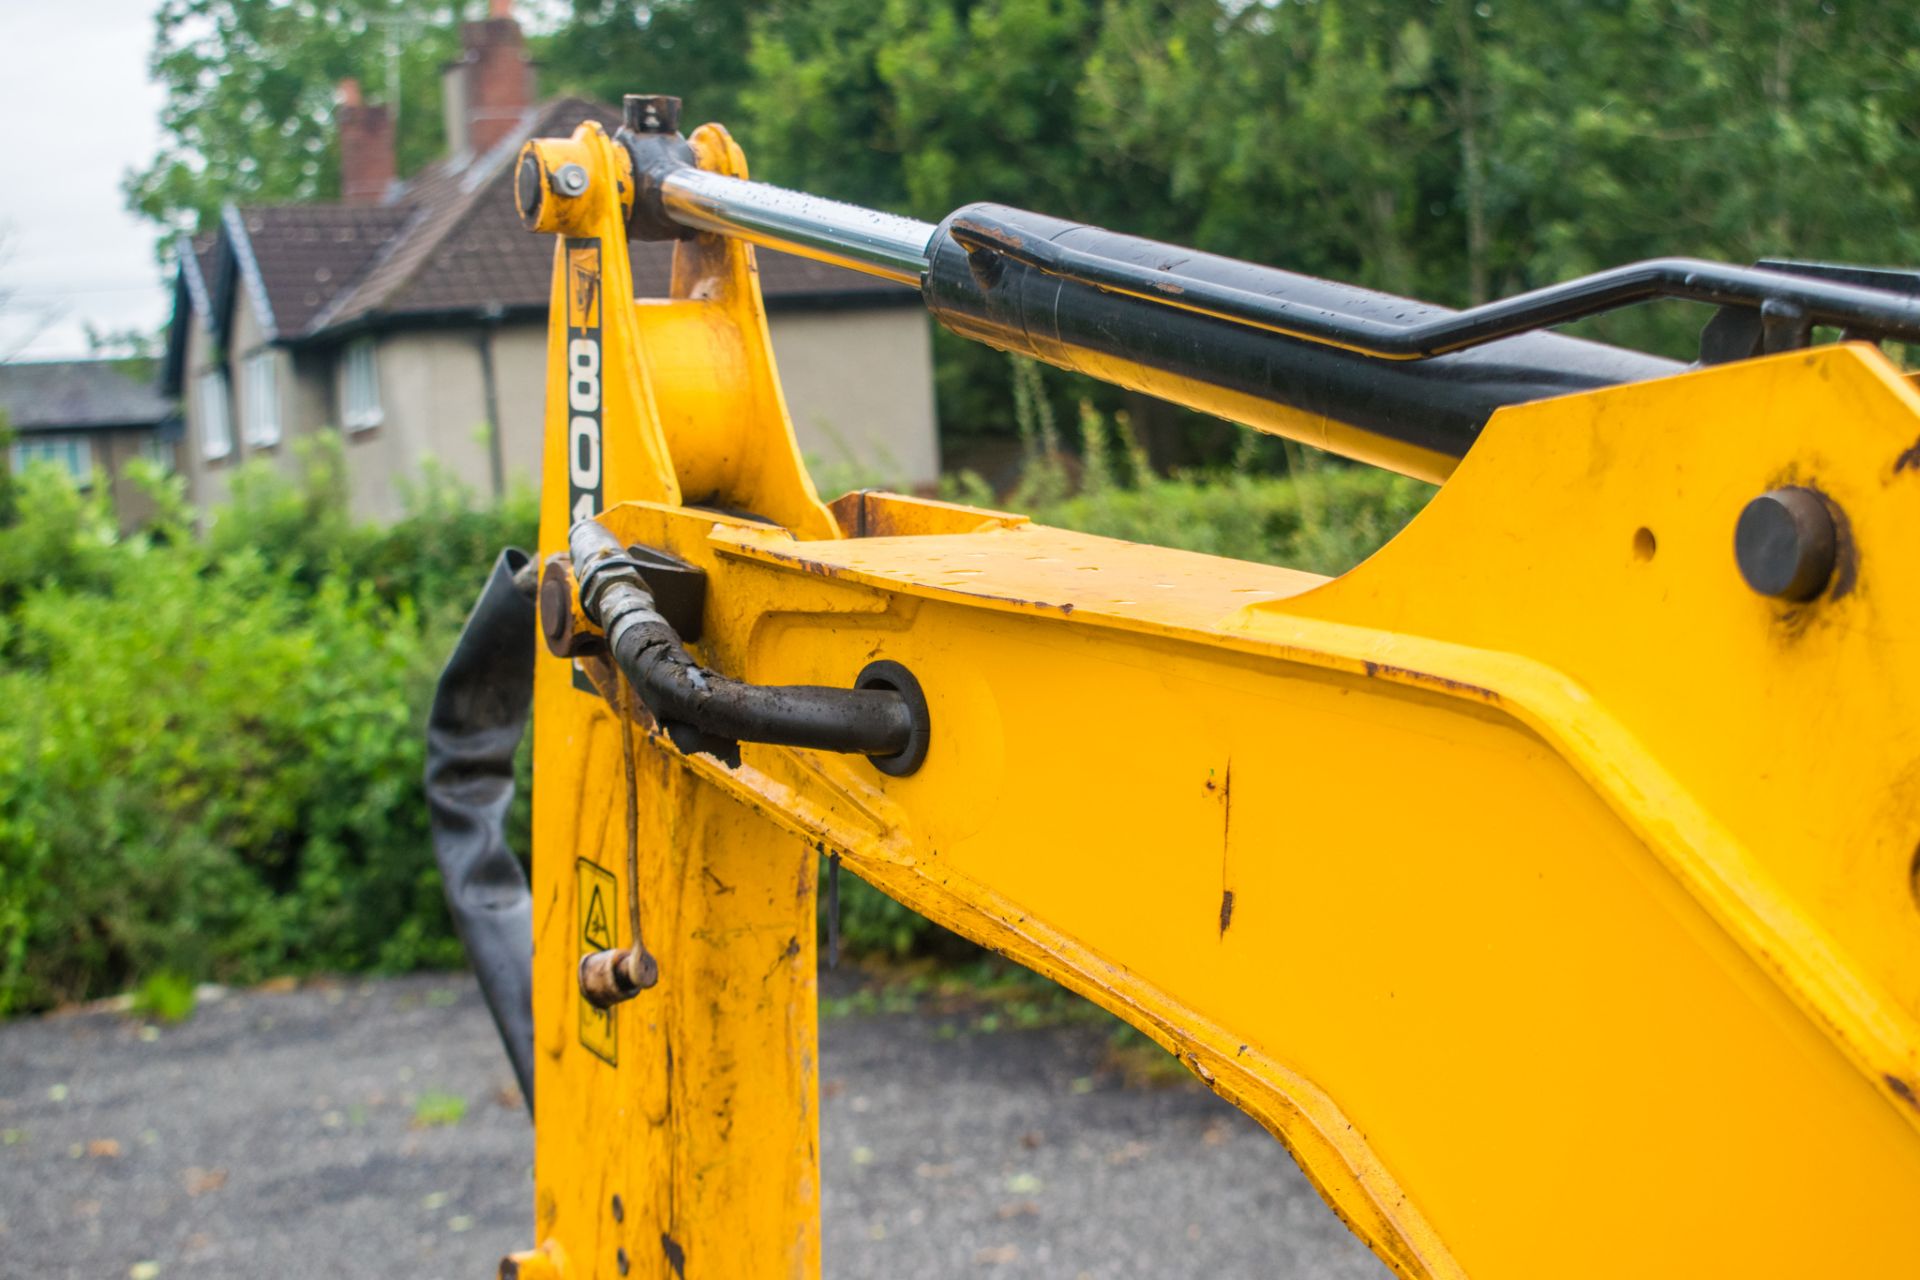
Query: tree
(250, 92)
(1454, 150)
(696, 50)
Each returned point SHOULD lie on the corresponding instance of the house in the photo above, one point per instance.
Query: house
(411, 316)
(90, 417)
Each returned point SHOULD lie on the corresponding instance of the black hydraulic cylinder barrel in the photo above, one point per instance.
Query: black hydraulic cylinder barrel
(1413, 416)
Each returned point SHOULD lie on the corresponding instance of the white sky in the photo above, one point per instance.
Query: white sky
(77, 111)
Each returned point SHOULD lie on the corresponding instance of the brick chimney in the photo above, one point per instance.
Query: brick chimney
(488, 89)
(366, 146)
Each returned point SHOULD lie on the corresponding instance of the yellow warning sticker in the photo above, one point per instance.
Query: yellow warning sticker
(583, 284)
(596, 895)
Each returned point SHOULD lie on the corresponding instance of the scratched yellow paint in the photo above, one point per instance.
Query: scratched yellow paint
(1551, 899)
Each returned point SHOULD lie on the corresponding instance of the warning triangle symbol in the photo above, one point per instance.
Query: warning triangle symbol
(597, 935)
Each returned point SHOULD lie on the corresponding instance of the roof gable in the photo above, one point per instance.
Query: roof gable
(448, 244)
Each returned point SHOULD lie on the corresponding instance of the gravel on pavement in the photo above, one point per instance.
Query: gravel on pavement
(370, 1128)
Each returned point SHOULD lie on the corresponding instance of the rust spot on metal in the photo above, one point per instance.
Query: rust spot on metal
(1902, 1088)
(1023, 603)
(1004, 236)
(1226, 845)
(1908, 461)
(1429, 680)
(676, 1256)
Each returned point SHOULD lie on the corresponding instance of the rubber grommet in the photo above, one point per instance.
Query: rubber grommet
(886, 674)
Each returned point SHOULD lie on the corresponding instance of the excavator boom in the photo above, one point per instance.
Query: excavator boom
(1546, 883)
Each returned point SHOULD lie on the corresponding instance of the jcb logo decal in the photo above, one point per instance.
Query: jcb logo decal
(585, 458)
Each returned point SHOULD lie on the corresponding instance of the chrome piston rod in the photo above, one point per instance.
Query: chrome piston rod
(879, 244)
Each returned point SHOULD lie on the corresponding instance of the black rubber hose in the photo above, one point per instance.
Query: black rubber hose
(678, 690)
(479, 716)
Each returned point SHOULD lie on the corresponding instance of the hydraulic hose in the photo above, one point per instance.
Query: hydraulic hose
(883, 720)
(479, 716)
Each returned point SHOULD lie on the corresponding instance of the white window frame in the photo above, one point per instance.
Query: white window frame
(360, 408)
(75, 453)
(261, 425)
(216, 416)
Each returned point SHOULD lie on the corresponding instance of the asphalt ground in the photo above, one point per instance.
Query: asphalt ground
(370, 1128)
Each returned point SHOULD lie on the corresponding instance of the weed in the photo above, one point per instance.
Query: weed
(435, 1110)
(165, 997)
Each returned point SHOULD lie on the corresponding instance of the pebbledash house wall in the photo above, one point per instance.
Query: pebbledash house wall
(858, 384)
(433, 402)
(303, 402)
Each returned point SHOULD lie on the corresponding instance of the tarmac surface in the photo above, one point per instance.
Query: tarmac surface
(371, 1128)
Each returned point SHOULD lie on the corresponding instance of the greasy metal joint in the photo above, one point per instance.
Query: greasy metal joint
(650, 133)
(1786, 545)
(608, 978)
(885, 718)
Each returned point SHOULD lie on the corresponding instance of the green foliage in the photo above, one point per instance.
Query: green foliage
(165, 997)
(250, 95)
(210, 751)
(435, 1109)
(1449, 149)
(696, 50)
(871, 923)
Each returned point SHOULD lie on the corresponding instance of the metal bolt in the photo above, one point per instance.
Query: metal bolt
(570, 180)
(1785, 544)
(556, 607)
(528, 187)
(608, 978)
(556, 613)
(650, 113)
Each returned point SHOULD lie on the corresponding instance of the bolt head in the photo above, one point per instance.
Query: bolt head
(556, 605)
(1785, 544)
(570, 180)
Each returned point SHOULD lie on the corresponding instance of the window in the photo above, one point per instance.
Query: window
(158, 450)
(216, 416)
(359, 386)
(262, 422)
(70, 453)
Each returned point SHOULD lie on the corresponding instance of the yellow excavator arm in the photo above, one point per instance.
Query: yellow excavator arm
(1546, 883)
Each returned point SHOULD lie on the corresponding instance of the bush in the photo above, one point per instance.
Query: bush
(210, 751)
(210, 748)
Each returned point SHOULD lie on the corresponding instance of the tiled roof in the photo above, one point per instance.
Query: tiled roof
(306, 254)
(57, 395)
(450, 242)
